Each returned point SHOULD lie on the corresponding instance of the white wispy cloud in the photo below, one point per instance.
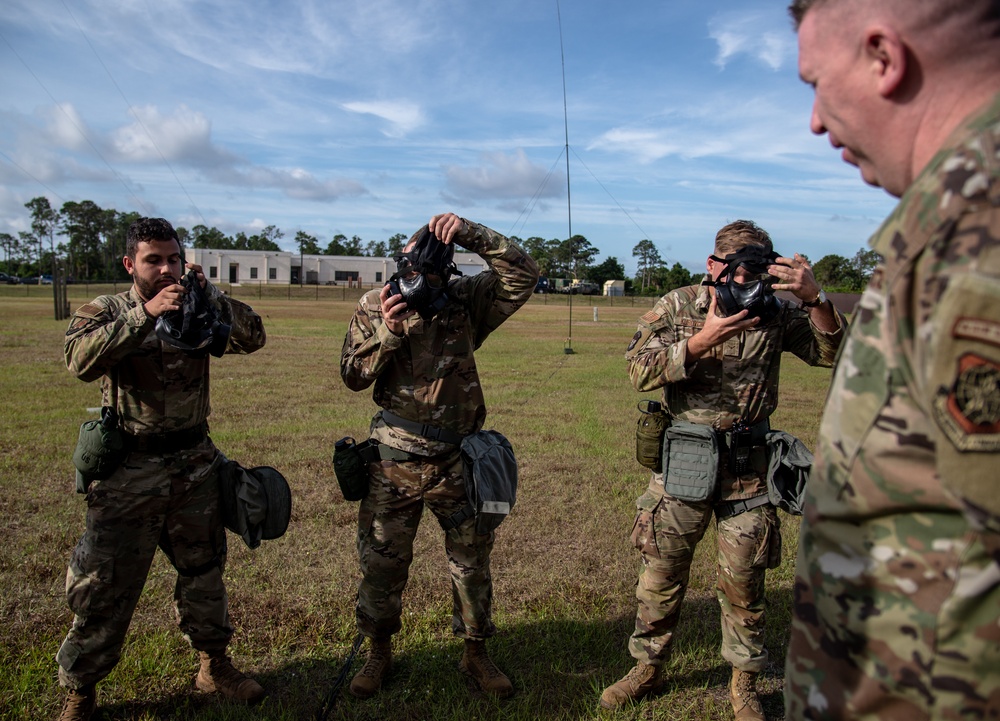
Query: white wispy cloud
(402, 117)
(754, 34)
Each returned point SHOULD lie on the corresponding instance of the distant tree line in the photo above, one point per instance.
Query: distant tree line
(87, 242)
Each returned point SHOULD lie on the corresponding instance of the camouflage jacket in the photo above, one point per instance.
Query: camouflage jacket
(429, 374)
(905, 478)
(737, 380)
(160, 388)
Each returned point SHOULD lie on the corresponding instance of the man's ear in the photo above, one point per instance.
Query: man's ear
(887, 56)
(129, 265)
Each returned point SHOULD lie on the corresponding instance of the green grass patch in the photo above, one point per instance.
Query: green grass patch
(564, 571)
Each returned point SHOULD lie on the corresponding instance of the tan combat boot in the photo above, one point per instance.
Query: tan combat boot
(477, 664)
(218, 675)
(642, 680)
(80, 704)
(743, 696)
(369, 679)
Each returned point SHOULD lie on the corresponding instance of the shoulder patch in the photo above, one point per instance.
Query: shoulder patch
(981, 329)
(970, 412)
(650, 316)
(91, 309)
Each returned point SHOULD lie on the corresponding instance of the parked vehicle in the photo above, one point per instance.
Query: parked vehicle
(9, 279)
(582, 287)
(45, 279)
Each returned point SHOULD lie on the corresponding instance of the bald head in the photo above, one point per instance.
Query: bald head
(894, 78)
(921, 13)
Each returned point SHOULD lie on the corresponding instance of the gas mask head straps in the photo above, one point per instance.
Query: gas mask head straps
(755, 296)
(426, 256)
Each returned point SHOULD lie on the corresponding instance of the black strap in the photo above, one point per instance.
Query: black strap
(758, 433)
(331, 698)
(422, 429)
(734, 508)
(372, 451)
(458, 518)
(167, 442)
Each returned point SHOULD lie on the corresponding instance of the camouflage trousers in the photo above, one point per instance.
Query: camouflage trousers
(176, 509)
(387, 524)
(666, 532)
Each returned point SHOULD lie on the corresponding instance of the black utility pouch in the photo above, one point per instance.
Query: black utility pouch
(649, 430)
(740, 446)
(351, 468)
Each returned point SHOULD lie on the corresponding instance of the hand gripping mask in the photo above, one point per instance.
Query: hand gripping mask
(755, 296)
(428, 256)
(195, 328)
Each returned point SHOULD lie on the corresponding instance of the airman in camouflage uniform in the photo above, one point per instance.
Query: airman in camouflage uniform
(165, 492)
(897, 594)
(717, 371)
(424, 371)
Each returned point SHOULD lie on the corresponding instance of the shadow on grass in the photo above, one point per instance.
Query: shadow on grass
(558, 666)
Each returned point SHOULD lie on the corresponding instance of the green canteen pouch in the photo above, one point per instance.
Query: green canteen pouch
(351, 468)
(690, 461)
(100, 449)
(649, 430)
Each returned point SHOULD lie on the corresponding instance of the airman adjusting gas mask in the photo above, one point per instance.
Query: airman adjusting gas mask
(755, 294)
(195, 328)
(428, 257)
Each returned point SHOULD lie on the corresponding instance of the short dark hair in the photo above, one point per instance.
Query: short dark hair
(146, 230)
(739, 234)
(799, 8)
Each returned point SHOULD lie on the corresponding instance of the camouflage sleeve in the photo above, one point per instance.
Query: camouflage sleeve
(248, 329)
(804, 339)
(368, 346)
(496, 294)
(656, 354)
(960, 369)
(101, 333)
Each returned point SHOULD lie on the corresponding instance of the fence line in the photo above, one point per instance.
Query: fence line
(79, 293)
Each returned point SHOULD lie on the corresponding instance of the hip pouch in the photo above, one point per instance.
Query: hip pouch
(649, 435)
(350, 464)
(100, 449)
(789, 463)
(690, 461)
(490, 472)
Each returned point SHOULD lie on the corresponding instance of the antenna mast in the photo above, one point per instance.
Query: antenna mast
(568, 348)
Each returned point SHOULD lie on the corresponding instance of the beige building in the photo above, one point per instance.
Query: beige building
(269, 267)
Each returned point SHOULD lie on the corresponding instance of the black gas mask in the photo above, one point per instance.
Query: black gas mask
(195, 328)
(428, 256)
(755, 295)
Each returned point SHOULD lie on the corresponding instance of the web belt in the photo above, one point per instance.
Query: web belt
(422, 429)
(734, 508)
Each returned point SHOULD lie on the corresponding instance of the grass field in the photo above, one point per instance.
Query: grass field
(563, 568)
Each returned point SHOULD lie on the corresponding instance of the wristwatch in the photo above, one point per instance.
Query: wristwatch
(820, 300)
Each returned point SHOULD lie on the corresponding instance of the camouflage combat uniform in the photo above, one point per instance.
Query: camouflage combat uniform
(429, 375)
(159, 496)
(737, 380)
(897, 591)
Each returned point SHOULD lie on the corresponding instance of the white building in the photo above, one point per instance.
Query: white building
(614, 287)
(277, 267)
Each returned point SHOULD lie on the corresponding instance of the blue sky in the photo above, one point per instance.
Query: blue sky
(366, 117)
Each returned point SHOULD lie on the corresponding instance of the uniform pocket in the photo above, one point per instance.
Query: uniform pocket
(644, 534)
(90, 580)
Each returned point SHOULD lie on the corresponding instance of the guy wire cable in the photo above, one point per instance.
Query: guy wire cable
(331, 697)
